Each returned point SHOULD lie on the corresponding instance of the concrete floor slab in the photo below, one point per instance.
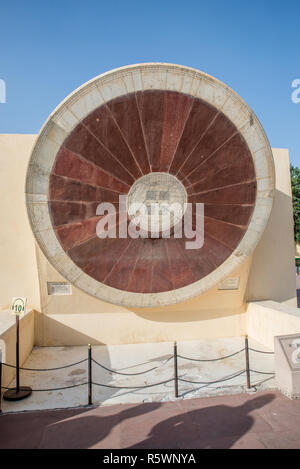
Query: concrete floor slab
(136, 358)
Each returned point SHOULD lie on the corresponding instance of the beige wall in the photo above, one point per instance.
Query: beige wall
(8, 341)
(272, 276)
(18, 266)
(80, 318)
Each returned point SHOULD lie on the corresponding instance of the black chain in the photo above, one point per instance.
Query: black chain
(142, 372)
(263, 372)
(51, 389)
(260, 351)
(213, 382)
(131, 374)
(46, 369)
(134, 387)
(213, 359)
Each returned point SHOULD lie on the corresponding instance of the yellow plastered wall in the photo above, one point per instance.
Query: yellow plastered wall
(272, 275)
(18, 265)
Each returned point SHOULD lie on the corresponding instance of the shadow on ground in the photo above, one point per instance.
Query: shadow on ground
(149, 425)
(212, 427)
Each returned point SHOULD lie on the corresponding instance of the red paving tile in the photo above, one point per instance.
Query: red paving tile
(264, 421)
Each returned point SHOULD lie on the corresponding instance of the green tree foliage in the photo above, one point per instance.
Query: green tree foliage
(295, 179)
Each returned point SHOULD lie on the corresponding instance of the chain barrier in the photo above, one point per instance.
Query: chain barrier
(176, 379)
(53, 389)
(262, 372)
(134, 387)
(226, 378)
(46, 369)
(131, 374)
(261, 351)
(212, 359)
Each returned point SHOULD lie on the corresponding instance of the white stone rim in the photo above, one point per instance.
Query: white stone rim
(117, 83)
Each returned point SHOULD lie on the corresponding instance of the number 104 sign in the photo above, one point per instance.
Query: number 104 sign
(18, 306)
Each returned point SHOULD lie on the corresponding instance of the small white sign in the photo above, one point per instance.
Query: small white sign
(59, 288)
(231, 283)
(18, 306)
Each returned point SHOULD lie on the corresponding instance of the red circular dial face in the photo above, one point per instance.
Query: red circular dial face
(123, 141)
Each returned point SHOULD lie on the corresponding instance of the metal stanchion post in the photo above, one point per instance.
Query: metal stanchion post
(247, 362)
(17, 354)
(0, 381)
(90, 375)
(19, 392)
(175, 370)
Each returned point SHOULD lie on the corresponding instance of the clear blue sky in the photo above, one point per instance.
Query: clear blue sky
(48, 48)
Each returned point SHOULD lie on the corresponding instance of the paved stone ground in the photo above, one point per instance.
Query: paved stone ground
(262, 420)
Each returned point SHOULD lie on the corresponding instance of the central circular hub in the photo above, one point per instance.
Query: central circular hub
(156, 202)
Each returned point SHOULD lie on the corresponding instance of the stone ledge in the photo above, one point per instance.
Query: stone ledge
(267, 319)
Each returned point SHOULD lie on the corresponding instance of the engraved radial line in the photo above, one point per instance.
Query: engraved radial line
(117, 261)
(184, 256)
(211, 256)
(68, 223)
(85, 160)
(133, 268)
(64, 201)
(209, 235)
(214, 174)
(188, 262)
(79, 244)
(152, 262)
(234, 205)
(209, 156)
(140, 258)
(117, 219)
(223, 187)
(108, 150)
(226, 222)
(179, 138)
(97, 259)
(86, 240)
(203, 134)
(169, 264)
(107, 189)
(126, 143)
(143, 132)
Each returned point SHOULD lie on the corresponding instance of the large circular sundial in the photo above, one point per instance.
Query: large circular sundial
(159, 135)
